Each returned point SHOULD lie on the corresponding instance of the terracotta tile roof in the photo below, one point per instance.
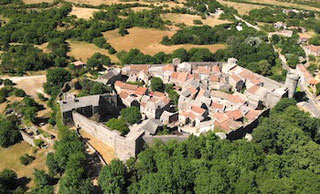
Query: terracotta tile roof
(235, 78)
(174, 75)
(158, 94)
(235, 114)
(252, 114)
(314, 48)
(144, 67)
(221, 117)
(253, 89)
(190, 76)
(168, 68)
(198, 110)
(257, 81)
(141, 91)
(248, 75)
(214, 78)
(217, 105)
(304, 71)
(236, 99)
(216, 69)
(182, 76)
(203, 70)
(220, 94)
(126, 86)
(123, 95)
(313, 81)
(193, 90)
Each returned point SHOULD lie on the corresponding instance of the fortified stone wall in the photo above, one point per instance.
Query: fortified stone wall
(27, 138)
(124, 147)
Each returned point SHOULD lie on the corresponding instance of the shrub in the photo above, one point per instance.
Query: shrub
(131, 115)
(119, 125)
(197, 22)
(26, 159)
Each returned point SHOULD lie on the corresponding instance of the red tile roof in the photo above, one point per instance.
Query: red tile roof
(182, 76)
(253, 89)
(252, 114)
(235, 114)
(141, 91)
(198, 110)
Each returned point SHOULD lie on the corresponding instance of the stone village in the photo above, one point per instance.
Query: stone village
(213, 96)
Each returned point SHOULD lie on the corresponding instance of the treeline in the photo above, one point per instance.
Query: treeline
(201, 35)
(21, 58)
(304, 19)
(34, 27)
(206, 7)
(70, 160)
(282, 158)
(135, 56)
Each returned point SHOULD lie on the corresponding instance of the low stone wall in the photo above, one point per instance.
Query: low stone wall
(125, 147)
(27, 138)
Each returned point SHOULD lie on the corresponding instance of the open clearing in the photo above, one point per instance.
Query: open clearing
(188, 19)
(30, 84)
(82, 51)
(148, 41)
(84, 13)
(37, 1)
(106, 152)
(243, 9)
(10, 159)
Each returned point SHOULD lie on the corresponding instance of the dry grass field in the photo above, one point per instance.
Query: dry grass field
(148, 41)
(10, 159)
(106, 152)
(37, 1)
(84, 13)
(30, 84)
(82, 51)
(275, 2)
(188, 19)
(243, 9)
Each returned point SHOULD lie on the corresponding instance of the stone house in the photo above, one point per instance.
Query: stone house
(168, 117)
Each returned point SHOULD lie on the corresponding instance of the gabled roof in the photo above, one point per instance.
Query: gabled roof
(252, 114)
(235, 114)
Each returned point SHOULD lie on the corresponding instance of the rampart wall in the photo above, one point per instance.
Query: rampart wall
(124, 147)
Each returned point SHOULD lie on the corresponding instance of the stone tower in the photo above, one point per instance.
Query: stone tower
(292, 82)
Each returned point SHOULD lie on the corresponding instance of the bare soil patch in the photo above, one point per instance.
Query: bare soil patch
(30, 84)
(148, 41)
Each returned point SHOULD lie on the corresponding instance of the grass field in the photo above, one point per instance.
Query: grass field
(37, 1)
(84, 13)
(82, 51)
(148, 41)
(188, 19)
(10, 159)
(243, 9)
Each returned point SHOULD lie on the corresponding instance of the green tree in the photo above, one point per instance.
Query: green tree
(157, 84)
(119, 125)
(113, 177)
(41, 178)
(55, 80)
(97, 61)
(8, 179)
(131, 115)
(9, 132)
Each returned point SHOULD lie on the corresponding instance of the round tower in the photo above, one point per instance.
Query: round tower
(291, 82)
